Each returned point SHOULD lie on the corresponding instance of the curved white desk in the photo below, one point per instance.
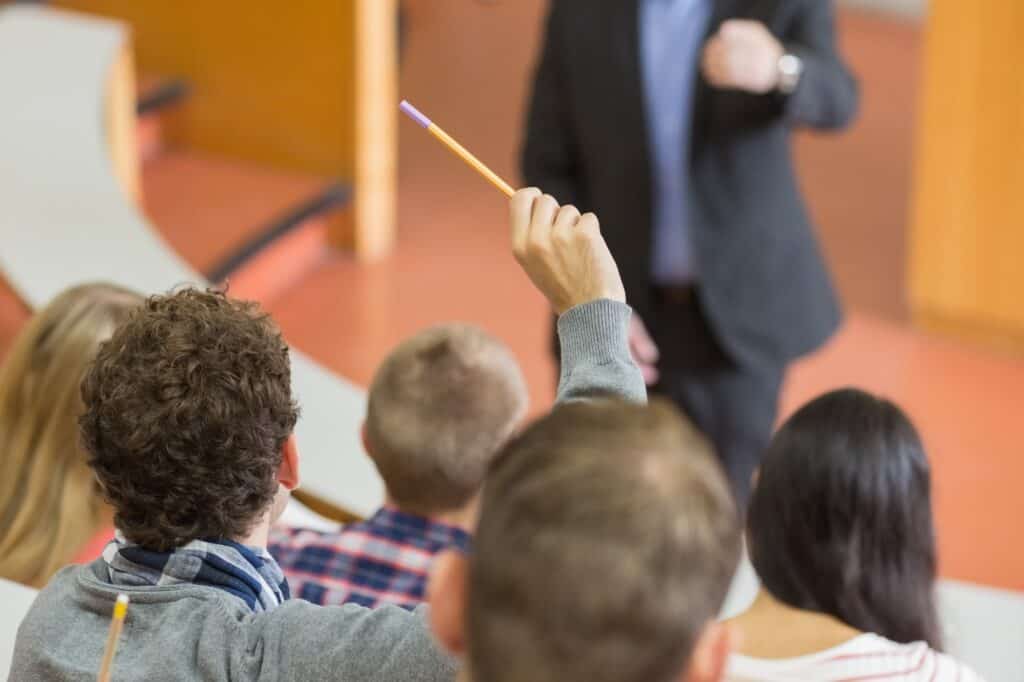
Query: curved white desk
(64, 219)
(15, 599)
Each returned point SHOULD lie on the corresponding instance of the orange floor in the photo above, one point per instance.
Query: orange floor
(227, 202)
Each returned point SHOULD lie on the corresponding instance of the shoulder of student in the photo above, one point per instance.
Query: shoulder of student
(192, 632)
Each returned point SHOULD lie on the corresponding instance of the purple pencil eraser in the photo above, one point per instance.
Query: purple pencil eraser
(414, 113)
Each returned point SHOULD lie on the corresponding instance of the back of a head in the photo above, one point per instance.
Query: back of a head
(840, 521)
(187, 409)
(49, 500)
(607, 540)
(440, 407)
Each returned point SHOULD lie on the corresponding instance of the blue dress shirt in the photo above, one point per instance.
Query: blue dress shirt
(671, 36)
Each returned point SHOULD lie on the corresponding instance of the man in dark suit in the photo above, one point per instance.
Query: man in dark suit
(684, 108)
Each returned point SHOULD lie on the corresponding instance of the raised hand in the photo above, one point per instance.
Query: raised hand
(562, 252)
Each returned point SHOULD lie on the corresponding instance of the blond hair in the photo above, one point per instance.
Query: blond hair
(440, 407)
(50, 504)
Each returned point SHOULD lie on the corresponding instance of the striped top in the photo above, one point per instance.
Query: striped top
(867, 658)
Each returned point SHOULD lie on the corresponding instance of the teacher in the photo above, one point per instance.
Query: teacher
(684, 109)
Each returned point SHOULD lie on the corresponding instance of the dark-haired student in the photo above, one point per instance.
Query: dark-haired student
(439, 408)
(848, 565)
(188, 424)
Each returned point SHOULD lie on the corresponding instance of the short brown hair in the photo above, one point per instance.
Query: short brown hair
(440, 407)
(607, 539)
(187, 408)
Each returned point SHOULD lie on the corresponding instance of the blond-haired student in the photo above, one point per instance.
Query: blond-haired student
(440, 407)
(51, 510)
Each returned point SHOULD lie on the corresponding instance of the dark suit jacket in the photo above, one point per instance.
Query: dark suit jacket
(763, 284)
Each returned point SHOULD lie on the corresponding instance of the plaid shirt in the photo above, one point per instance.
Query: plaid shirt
(384, 560)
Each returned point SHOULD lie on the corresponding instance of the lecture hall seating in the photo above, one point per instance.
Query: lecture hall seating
(67, 216)
(15, 599)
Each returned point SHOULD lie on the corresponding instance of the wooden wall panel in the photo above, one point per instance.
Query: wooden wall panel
(376, 96)
(968, 218)
(272, 81)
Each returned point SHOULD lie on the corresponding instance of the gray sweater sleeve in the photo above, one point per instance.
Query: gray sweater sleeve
(353, 644)
(595, 353)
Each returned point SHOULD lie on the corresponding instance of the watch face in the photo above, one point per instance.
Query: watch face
(790, 68)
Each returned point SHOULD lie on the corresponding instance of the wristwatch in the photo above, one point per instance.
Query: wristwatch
(790, 68)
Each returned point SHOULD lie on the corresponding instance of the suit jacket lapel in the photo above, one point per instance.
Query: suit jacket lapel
(631, 107)
(625, 32)
(724, 9)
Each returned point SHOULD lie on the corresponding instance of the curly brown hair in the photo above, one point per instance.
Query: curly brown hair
(187, 408)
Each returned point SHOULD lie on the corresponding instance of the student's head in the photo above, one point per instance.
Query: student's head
(840, 521)
(49, 501)
(606, 544)
(440, 407)
(188, 420)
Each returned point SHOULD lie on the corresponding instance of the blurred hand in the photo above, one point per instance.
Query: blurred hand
(645, 351)
(562, 252)
(743, 55)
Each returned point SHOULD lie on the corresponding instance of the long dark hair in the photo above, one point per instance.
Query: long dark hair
(840, 521)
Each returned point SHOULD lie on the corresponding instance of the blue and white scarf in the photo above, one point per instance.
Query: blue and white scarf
(248, 573)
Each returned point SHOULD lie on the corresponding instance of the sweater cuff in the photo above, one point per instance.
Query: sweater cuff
(595, 333)
(596, 360)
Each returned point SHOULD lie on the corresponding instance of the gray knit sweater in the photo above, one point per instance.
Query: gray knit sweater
(183, 632)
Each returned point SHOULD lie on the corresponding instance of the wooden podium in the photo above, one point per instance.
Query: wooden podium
(967, 240)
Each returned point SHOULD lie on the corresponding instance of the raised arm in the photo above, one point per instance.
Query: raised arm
(566, 258)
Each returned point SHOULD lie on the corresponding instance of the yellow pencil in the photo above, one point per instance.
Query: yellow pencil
(460, 151)
(116, 624)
